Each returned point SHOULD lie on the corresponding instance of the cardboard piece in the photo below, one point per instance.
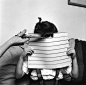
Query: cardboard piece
(49, 53)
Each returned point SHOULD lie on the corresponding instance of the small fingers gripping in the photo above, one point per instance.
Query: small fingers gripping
(27, 52)
(30, 52)
(71, 52)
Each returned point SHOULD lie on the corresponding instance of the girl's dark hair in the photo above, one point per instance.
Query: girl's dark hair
(45, 28)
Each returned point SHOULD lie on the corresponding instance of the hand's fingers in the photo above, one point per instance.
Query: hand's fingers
(31, 51)
(22, 33)
(25, 40)
(70, 49)
(27, 43)
(71, 52)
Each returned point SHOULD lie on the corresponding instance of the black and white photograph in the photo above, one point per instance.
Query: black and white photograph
(42, 42)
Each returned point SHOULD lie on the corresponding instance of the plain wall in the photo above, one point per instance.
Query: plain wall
(16, 15)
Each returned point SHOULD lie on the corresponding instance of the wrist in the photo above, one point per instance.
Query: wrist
(7, 44)
(11, 41)
(21, 58)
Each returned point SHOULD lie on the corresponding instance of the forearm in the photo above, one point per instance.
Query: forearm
(4, 47)
(19, 71)
(74, 68)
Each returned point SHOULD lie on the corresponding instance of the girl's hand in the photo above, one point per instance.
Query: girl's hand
(27, 52)
(71, 52)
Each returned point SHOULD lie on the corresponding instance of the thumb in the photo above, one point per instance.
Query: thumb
(22, 33)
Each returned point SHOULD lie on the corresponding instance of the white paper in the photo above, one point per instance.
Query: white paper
(50, 53)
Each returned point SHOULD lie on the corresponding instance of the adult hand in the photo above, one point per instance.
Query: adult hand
(18, 39)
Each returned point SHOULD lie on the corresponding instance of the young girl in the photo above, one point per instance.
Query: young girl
(47, 76)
